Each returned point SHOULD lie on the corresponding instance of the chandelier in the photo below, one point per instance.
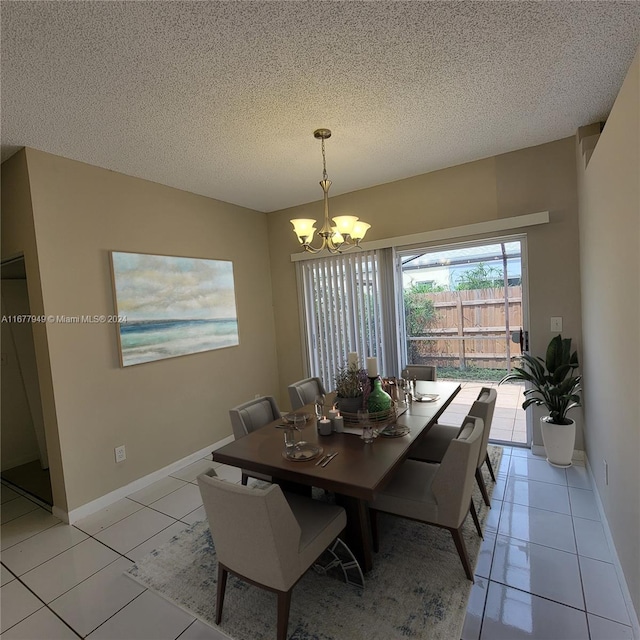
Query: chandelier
(348, 230)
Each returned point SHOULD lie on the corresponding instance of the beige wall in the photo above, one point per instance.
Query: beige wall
(161, 411)
(610, 249)
(535, 179)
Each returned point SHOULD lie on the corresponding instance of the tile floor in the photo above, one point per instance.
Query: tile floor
(544, 570)
(509, 420)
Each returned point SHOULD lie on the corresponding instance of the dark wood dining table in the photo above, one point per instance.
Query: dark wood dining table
(355, 475)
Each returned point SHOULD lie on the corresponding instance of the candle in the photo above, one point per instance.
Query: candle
(338, 424)
(352, 360)
(333, 413)
(372, 367)
(324, 427)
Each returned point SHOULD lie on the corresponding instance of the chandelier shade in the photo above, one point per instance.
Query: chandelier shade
(346, 232)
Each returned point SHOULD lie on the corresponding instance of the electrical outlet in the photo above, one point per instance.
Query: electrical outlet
(121, 454)
(606, 471)
(556, 324)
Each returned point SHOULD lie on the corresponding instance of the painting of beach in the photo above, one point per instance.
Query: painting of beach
(171, 306)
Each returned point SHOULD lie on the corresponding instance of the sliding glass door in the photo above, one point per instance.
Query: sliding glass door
(463, 309)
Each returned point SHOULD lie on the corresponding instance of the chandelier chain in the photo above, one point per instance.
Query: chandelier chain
(324, 162)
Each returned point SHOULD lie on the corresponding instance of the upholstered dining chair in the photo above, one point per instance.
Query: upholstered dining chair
(437, 494)
(419, 372)
(434, 443)
(266, 537)
(305, 392)
(250, 416)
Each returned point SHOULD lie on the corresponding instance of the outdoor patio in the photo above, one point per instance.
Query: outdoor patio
(508, 425)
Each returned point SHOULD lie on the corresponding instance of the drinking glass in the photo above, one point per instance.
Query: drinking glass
(319, 405)
(365, 423)
(290, 439)
(298, 421)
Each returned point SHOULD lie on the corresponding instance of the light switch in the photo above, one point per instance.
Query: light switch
(556, 324)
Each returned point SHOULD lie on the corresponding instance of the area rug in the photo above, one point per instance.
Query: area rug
(417, 588)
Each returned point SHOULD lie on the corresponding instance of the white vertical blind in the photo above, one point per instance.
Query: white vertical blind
(343, 311)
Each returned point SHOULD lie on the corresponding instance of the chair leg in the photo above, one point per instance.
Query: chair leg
(284, 604)
(373, 517)
(245, 479)
(462, 552)
(474, 515)
(483, 489)
(488, 461)
(222, 585)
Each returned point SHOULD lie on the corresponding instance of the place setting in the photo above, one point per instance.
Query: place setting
(297, 451)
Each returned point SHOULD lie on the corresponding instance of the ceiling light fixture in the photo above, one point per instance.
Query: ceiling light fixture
(348, 230)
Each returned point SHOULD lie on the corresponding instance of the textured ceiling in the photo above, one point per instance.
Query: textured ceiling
(221, 98)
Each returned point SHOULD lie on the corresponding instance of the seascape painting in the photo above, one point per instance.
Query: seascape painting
(170, 306)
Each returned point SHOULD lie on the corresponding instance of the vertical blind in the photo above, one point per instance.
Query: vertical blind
(342, 311)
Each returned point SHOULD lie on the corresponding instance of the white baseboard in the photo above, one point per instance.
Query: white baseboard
(633, 616)
(108, 499)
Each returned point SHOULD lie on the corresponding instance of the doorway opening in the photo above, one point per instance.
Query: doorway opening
(465, 310)
(24, 461)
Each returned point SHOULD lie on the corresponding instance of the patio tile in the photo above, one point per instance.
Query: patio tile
(501, 423)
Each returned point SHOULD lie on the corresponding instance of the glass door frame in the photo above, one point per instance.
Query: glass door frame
(440, 246)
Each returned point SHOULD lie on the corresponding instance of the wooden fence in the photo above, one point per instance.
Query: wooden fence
(470, 328)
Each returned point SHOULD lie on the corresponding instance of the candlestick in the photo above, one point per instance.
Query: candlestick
(324, 427)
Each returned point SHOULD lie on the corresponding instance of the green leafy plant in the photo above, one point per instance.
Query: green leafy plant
(481, 276)
(420, 317)
(419, 310)
(553, 384)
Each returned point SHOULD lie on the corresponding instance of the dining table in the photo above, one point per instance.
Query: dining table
(358, 470)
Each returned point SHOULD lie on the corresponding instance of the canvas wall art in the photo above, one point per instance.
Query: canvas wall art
(173, 306)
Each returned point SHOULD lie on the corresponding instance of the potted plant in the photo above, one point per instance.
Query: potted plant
(351, 384)
(555, 387)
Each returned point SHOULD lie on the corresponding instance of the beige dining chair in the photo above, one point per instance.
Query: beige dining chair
(305, 392)
(419, 372)
(437, 494)
(433, 445)
(250, 416)
(266, 537)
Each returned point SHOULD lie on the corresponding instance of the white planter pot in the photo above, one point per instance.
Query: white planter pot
(559, 440)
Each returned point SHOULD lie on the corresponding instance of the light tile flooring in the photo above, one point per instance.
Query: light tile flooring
(509, 420)
(544, 571)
